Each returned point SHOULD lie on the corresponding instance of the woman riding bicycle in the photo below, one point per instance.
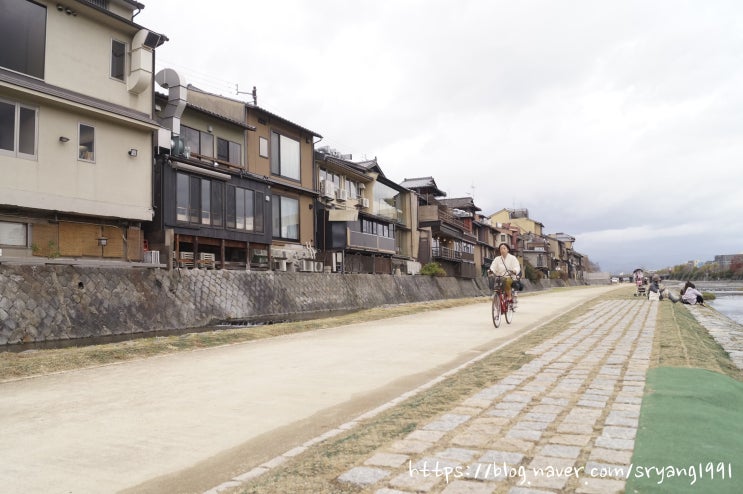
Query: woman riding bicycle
(507, 267)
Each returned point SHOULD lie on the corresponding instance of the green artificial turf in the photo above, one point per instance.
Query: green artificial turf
(690, 437)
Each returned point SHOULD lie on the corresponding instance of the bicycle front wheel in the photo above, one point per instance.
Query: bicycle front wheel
(495, 309)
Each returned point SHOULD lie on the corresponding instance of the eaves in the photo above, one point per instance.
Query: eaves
(65, 97)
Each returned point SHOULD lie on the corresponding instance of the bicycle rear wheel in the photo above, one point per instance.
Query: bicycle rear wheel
(495, 309)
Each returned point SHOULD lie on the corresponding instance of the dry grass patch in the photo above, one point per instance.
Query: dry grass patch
(680, 341)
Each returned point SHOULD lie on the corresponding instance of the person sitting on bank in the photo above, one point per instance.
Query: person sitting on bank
(506, 266)
(663, 292)
(691, 295)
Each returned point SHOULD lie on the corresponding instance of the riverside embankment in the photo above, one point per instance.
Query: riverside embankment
(59, 302)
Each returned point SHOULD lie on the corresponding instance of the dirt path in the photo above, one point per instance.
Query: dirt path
(186, 422)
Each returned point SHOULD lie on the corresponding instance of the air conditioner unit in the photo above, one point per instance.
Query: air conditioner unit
(319, 267)
(342, 195)
(362, 186)
(364, 202)
(307, 265)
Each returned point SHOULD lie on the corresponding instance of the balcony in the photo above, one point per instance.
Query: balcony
(451, 255)
(370, 242)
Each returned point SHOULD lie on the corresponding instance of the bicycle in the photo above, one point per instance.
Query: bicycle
(500, 304)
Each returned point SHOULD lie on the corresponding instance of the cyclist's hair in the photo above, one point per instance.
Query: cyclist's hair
(507, 247)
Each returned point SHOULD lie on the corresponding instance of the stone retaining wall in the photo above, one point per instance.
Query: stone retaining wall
(52, 302)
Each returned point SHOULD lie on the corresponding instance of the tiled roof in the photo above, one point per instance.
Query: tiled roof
(465, 203)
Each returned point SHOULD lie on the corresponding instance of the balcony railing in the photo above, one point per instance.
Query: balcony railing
(368, 241)
(451, 254)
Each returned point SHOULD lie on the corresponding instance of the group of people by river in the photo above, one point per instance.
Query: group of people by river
(687, 295)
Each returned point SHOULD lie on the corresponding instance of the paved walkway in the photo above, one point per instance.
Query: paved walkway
(564, 422)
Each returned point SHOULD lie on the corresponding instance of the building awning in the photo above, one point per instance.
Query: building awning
(343, 215)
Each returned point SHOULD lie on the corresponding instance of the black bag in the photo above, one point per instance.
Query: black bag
(491, 282)
(518, 286)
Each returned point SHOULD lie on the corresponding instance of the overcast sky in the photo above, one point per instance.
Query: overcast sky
(617, 122)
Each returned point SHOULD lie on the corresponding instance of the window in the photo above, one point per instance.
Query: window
(245, 209)
(198, 142)
(263, 147)
(86, 143)
(182, 197)
(284, 156)
(229, 151)
(118, 59)
(199, 200)
(13, 234)
(23, 27)
(285, 217)
(18, 129)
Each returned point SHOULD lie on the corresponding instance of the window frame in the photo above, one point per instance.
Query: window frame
(114, 58)
(234, 150)
(80, 156)
(277, 151)
(278, 226)
(34, 25)
(20, 130)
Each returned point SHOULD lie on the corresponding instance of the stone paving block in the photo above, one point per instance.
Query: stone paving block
(571, 439)
(592, 403)
(425, 436)
(622, 417)
(410, 446)
(614, 456)
(531, 425)
(500, 457)
(503, 413)
(387, 460)
(560, 451)
(548, 408)
(469, 411)
(614, 443)
(511, 405)
(619, 432)
(478, 401)
(447, 422)
(540, 417)
(526, 435)
(520, 397)
(468, 487)
(582, 415)
(471, 439)
(364, 476)
(389, 491)
(511, 444)
(558, 402)
(417, 481)
(458, 454)
(575, 428)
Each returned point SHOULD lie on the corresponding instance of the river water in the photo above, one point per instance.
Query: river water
(730, 305)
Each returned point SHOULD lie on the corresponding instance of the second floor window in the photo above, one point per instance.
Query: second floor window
(23, 27)
(229, 151)
(198, 142)
(284, 156)
(18, 129)
(86, 142)
(118, 59)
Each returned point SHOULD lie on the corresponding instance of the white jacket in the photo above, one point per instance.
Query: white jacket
(499, 266)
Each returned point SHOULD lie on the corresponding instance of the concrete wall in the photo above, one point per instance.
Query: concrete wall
(53, 302)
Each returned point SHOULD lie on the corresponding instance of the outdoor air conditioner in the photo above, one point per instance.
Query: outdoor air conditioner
(319, 267)
(307, 265)
(364, 202)
(342, 194)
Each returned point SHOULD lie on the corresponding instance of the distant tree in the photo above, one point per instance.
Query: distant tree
(590, 266)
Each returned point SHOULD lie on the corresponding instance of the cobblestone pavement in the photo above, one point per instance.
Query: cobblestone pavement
(564, 422)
